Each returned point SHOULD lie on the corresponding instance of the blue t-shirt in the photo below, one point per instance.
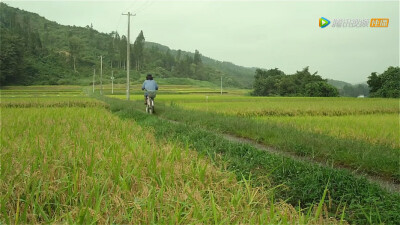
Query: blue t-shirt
(150, 85)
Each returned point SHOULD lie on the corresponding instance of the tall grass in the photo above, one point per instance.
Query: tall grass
(84, 165)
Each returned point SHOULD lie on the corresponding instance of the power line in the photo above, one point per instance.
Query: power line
(142, 6)
(146, 7)
(131, 5)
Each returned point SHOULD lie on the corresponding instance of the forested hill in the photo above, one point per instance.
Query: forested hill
(243, 75)
(35, 50)
(350, 90)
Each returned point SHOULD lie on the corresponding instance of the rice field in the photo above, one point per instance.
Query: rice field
(65, 158)
(41, 91)
(303, 181)
(290, 106)
(373, 120)
(70, 160)
(371, 124)
(375, 129)
(51, 101)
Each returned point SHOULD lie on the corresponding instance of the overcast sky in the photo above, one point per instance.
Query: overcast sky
(266, 34)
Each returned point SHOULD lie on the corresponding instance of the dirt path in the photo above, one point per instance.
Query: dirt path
(385, 184)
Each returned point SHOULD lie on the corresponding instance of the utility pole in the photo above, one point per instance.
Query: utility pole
(94, 79)
(128, 49)
(101, 74)
(221, 85)
(112, 81)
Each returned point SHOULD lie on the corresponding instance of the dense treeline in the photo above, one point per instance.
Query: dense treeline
(38, 51)
(18, 41)
(274, 82)
(385, 85)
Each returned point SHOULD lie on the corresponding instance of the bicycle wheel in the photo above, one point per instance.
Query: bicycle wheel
(151, 108)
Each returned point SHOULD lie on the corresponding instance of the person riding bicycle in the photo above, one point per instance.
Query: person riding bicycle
(150, 86)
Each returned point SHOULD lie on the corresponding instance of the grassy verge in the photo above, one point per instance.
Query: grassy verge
(304, 183)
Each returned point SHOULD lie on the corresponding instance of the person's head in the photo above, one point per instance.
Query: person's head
(149, 77)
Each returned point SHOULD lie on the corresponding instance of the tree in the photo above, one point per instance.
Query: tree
(286, 87)
(11, 59)
(111, 52)
(35, 43)
(302, 83)
(138, 47)
(304, 77)
(265, 82)
(178, 55)
(46, 38)
(91, 31)
(321, 89)
(374, 82)
(75, 45)
(197, 57)
(122, 51)
(385, 85)
(168, 60)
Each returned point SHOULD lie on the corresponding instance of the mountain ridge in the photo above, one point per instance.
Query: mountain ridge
(49, 60)
(52, 59)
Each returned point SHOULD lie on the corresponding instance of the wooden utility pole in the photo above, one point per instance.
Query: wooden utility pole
(94, 77)
(221, 85)
(112, 81)
(101, 74)
(128, 49)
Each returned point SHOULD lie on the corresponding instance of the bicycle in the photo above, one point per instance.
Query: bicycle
(150, 102)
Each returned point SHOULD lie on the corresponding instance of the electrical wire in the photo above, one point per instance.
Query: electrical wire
(146, 7)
